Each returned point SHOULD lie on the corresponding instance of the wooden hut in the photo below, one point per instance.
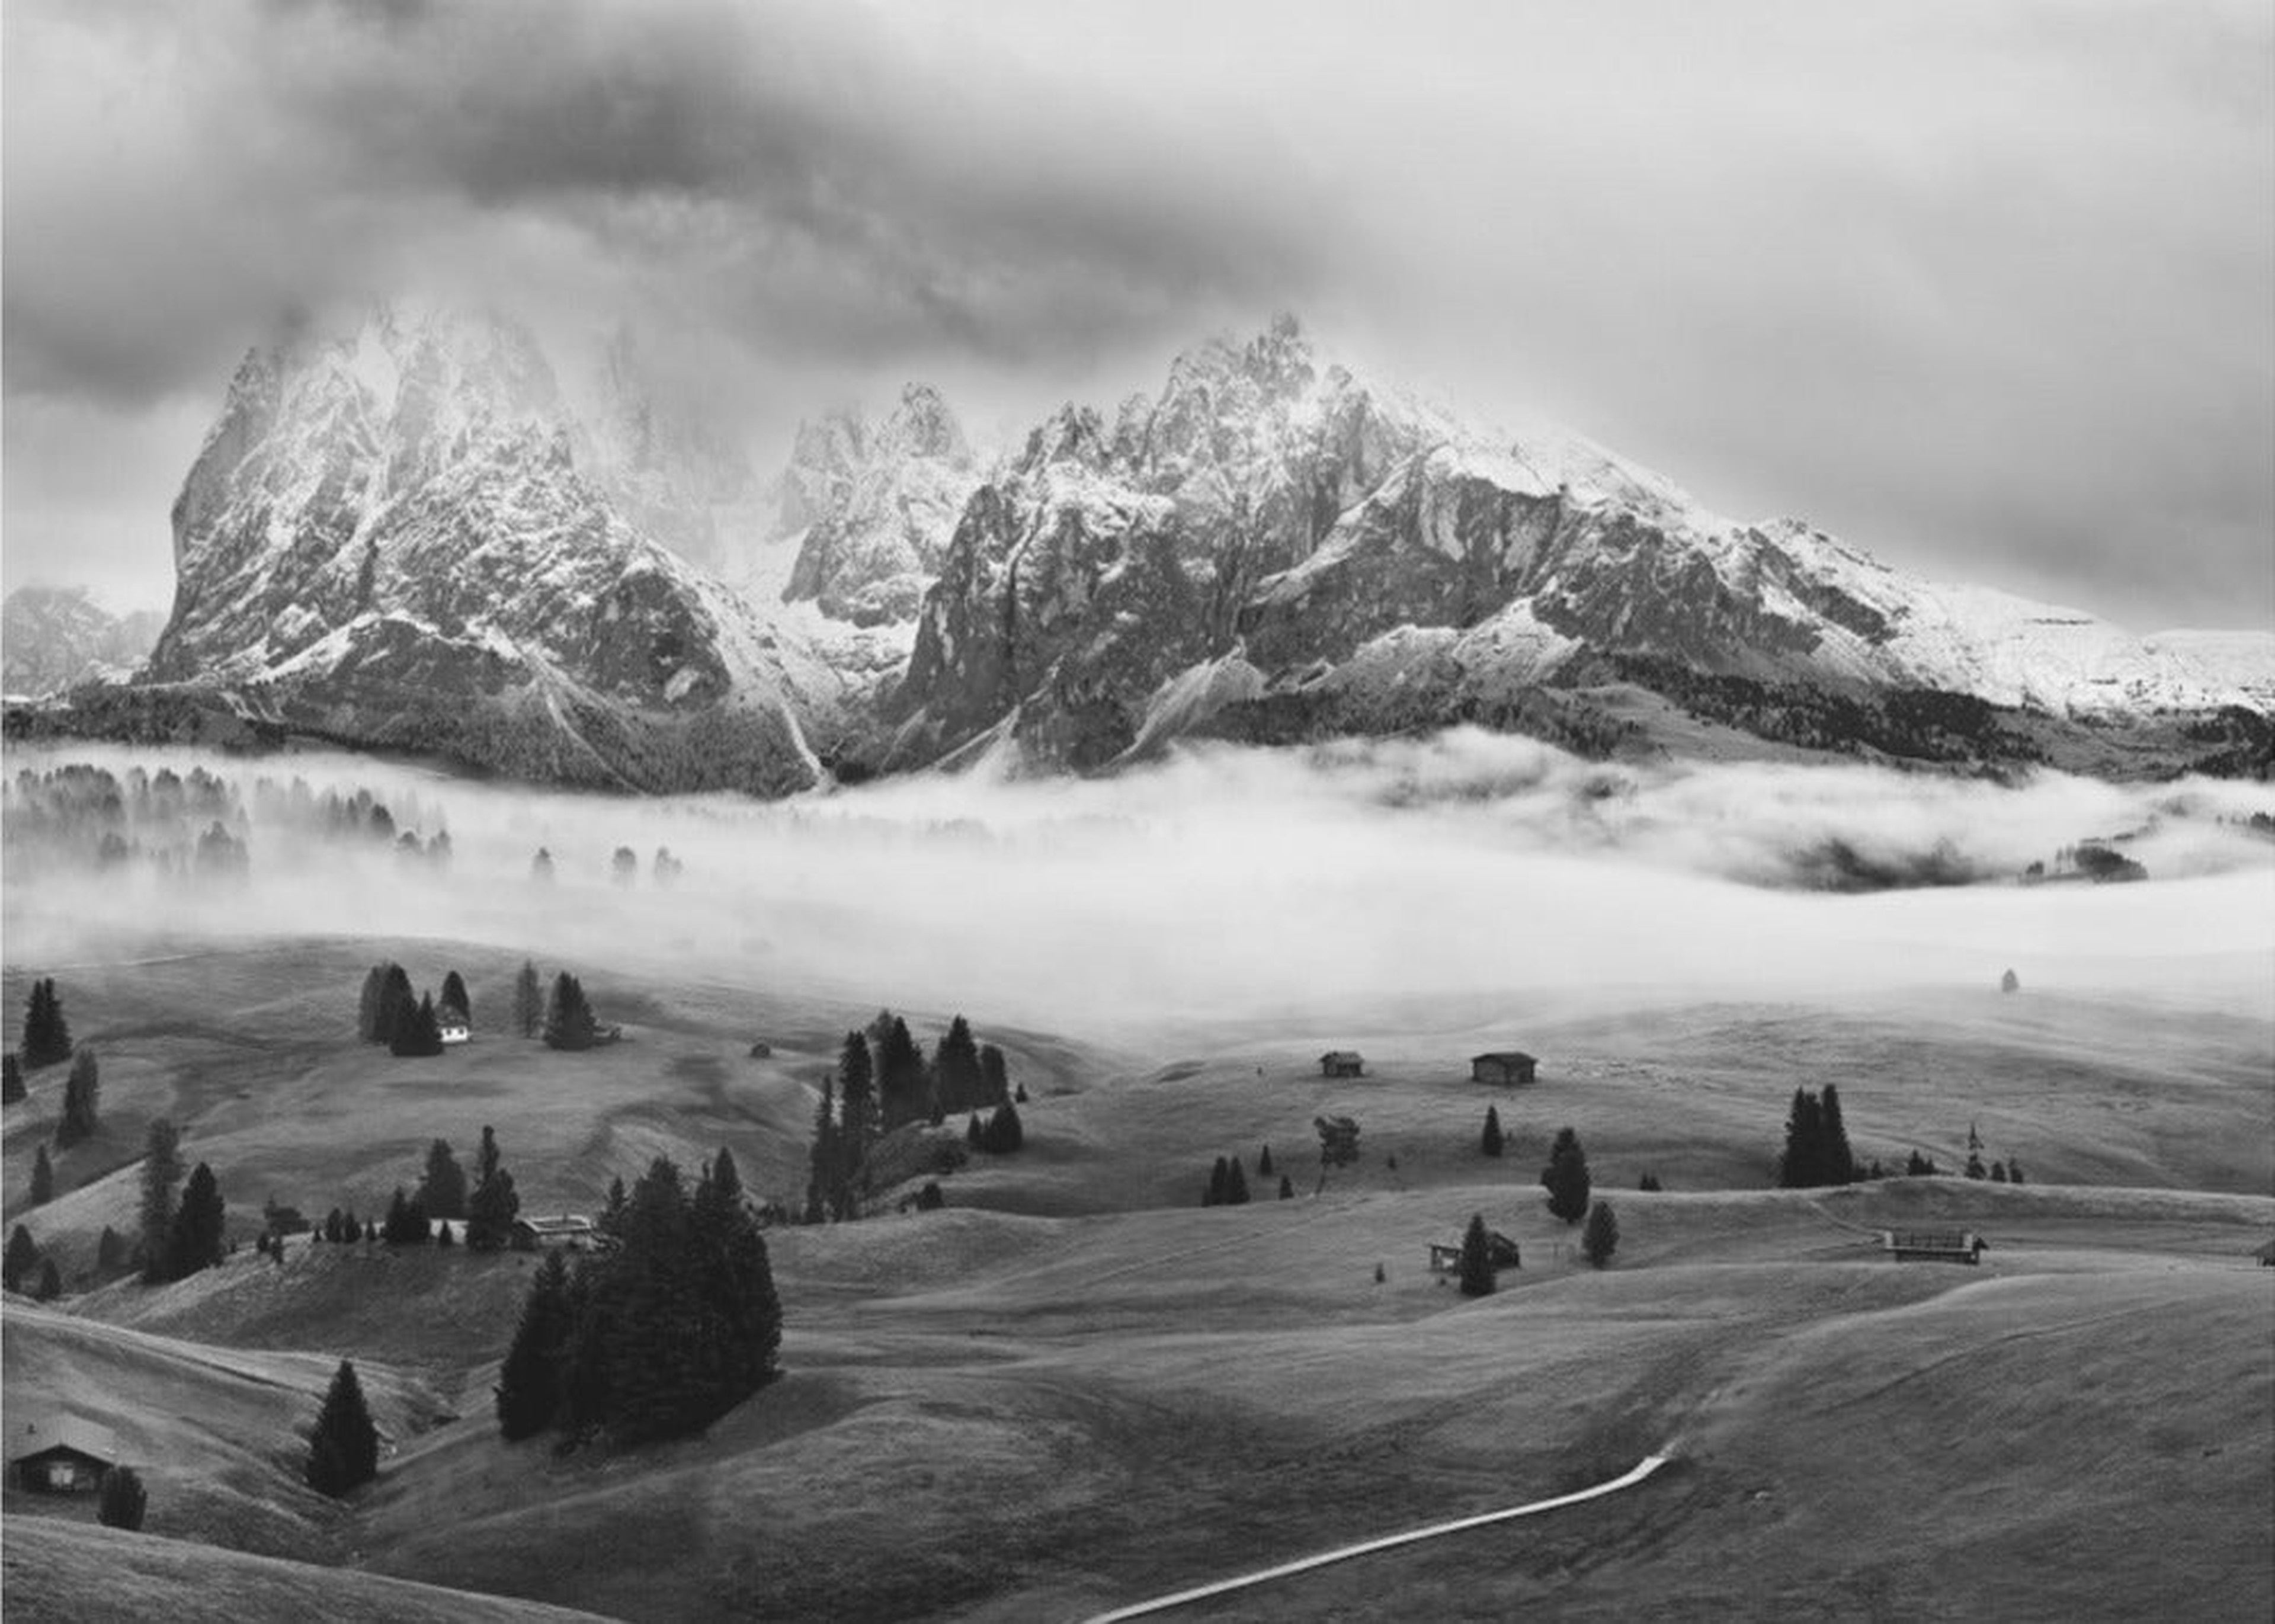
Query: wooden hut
(1933, 1245)
(63, 1454)
(1509, 1067)
(1341, 1063)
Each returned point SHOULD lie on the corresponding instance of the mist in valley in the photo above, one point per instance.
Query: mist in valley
(1462, 872)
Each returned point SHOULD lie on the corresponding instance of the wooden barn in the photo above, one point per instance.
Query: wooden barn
(1341, 1063)
(572, 1230)
(1512, 1066)
(1933, 1245)
(63, 1454)
(1448, 1259)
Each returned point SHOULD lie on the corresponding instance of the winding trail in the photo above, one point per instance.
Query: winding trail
(1162, 1603)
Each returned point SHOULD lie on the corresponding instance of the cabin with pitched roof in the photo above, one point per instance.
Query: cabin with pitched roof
(1341, 1063)
(1933, 1245)
(1500, 1250)
(63, 1454)
(572, 1230)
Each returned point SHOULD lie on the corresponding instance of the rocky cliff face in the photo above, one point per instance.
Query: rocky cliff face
(54, 637)
(404, 539)
(871, 506)
(1272, 539)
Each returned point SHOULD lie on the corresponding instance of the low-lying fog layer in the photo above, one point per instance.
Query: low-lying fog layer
(1228, 882)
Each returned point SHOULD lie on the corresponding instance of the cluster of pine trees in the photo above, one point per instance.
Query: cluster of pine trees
(23, 1261)
(882, 1082)
(410, 1024)
(1816, 1150)
(179, 1237)
(673, 1325)
(568, 1023)
(1228, 1181)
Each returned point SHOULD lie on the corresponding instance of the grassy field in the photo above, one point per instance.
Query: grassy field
(1075, 1388)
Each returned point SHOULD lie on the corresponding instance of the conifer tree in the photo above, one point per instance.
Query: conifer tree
(198, 1239)
(726, 1177)
(125, 1500)
(1490, 1141)
(2013, 1171)
(1287, 1189)
(1917, 1167)
(540, 866)
(528, 1389)
(958, 1082)
(375, 985)
(162, 1171)
(1235, 1184)
(454, 996)
(405, 1224)
(418, 1032)
(972, 1130)
(442, 1186)
(624, 866)
(994, 1077)
(858, 1116)
(1477, 1269)
(1565, 1177)
(82, 1100)
(21, 1257)
(1997, 1172)
(43, 1177)
(11, 1079)
(1003, 1132)
(1801, 1167)
(900, 1077)
(824, 1158)
(1973, 1169)
(1263, 1163)
(1219, 1185)
(1601, 1238)
(528, 1000)
(47, 1035)
(494, 1205)
(50, 1284)
(569, 1022)
(1837, 1164)
(109, 1251)
(395, 1000)
(1649, 1183)
(344, 1447)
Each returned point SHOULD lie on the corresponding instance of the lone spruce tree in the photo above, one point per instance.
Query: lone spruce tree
(454, 996)
(11, 1079)
(22, 1256)
(1565, 1177)
(1601, 1238)
(1477, 1275)
(125, 1500)
(344, 1448)
(47, 1035)
(197, 1239)
(1490, 1141)
(43, 1177)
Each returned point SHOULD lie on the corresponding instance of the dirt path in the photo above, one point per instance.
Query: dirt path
(1162, 1603)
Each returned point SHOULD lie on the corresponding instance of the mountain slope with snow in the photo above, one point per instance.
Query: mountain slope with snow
(53, 636)
(402, 539)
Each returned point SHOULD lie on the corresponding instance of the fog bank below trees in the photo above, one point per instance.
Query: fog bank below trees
(1462, 869)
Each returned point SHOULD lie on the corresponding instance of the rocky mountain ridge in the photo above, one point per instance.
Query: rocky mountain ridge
(412, 537)
(53, 638)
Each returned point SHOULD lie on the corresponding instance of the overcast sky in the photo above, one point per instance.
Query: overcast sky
(1987, 290)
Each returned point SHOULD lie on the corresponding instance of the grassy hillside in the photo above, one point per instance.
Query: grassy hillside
(217, 1434)
(64, 1573)
(1075, 1386)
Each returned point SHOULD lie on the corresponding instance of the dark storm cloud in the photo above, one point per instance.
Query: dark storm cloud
(798, 174)
(1989, 291)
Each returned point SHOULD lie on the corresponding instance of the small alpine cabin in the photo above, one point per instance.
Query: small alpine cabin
(454, 1027)
(1512, 1067)
(1500, 1250)
(572, 1230)
(1341, 1063)
(1934, 1245)
(63, 1454)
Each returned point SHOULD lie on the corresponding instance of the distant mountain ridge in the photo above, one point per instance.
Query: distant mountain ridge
(410, 537)
(52, 637)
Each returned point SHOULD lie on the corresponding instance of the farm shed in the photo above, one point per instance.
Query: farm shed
(1933, 1245)
(1341, 1063)
(573, 1230)
(63, 1454)
(1510, 1066)
(1446, 1259)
